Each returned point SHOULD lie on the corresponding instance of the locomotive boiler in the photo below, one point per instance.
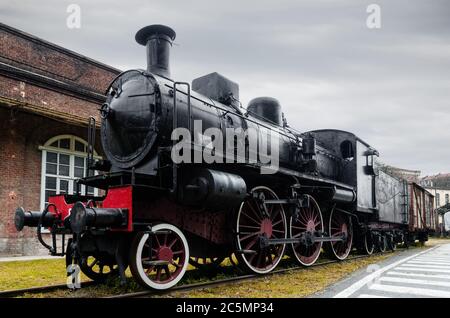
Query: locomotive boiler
(156, 214)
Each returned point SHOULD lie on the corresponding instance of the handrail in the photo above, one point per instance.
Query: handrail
(175, 126)
(91, 145)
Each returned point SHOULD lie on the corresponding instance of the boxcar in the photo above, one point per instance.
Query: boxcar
(422, 216)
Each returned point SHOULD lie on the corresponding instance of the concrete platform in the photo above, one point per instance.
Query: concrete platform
(413, 273)
(27, 258)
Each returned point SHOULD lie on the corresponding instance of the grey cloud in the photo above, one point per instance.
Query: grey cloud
(390, 86)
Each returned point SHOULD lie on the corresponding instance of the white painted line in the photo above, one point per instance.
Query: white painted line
(429, 263)
(444, 260)
(435, 257)
(430, 270)
(425, 266)
(424, 292)
(369, 278)
(27, 258)
(394, 273)
(414, 281)
(431, 260)
(370, 296)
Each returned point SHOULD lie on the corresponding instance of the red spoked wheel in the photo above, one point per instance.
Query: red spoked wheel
(308, 223)
(340, 226)
(98, 268)
(159, 259)
(97, 265)
(256, 221)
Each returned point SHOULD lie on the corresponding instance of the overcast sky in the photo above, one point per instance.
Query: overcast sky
(390, 86)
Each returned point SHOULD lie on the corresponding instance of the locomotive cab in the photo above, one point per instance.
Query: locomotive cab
(357, 164)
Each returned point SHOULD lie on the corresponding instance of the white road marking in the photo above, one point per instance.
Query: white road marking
(394, 273)
(429, 263)
(413, 281)
(369, 278)
(425, 266)
(424, 292)
(370, 296)
(432, 259)
(430, 270)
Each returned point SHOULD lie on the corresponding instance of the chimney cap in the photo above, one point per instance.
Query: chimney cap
(145, 33)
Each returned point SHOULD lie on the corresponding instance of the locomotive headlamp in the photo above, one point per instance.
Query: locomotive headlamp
(105, 111)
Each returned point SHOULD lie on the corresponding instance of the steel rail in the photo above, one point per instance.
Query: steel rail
(39, 289)
(234, 279)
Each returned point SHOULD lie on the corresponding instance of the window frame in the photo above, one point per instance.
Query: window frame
(72, 153)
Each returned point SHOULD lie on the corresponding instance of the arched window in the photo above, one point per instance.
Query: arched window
(63, 161)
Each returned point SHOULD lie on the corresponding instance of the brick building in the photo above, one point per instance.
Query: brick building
(47, 94)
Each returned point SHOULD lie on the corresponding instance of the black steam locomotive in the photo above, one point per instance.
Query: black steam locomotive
(157, 216)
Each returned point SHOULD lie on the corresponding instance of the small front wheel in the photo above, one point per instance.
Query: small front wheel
(159, 258)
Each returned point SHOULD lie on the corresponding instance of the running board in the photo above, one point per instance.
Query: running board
(264, 242)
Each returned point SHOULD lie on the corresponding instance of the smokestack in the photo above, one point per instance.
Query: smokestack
(158, 40)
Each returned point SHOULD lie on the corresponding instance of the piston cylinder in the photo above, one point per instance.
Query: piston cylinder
(214, 189)
(343, 195)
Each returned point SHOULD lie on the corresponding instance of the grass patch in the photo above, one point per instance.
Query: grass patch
(26, 274)
(433, 241)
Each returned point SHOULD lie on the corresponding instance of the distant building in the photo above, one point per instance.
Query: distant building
(408, 175)
(439, 186)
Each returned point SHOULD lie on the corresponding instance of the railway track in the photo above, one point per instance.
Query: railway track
(187, 287)
(39, 289)
(233, 279)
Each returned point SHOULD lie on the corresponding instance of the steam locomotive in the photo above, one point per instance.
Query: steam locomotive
(156, 215)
